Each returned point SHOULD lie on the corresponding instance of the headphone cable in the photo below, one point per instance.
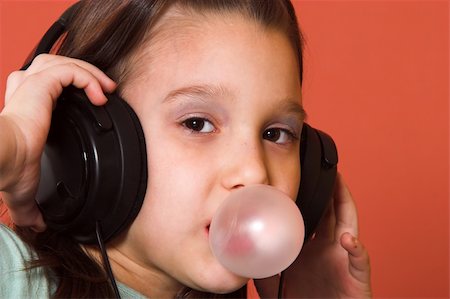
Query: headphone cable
(106, 264)
(281, 285)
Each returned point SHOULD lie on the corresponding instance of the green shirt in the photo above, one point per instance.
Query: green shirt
(16, 282)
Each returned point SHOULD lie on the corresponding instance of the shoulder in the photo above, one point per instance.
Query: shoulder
(16, 280)
(14, 251)
(127, 292)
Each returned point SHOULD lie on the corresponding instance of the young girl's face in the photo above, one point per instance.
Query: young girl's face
(219, 101)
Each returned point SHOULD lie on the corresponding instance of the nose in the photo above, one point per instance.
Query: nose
(245, 165)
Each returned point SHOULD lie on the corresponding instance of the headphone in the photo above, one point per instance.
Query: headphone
(94, 165)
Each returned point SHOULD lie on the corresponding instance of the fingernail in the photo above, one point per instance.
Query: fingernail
(355, 242)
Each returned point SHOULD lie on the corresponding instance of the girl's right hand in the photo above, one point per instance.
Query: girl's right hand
(25, 121)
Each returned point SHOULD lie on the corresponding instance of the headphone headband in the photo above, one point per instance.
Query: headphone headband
(52, 35)
(76, 201)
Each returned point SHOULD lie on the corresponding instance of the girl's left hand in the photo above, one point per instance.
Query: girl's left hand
(334, 264)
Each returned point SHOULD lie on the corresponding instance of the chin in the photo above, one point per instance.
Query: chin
(223, 288)
(220, 282)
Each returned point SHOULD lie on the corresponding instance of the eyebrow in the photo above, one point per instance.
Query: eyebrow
(294, 107)
(197, 91)
(209, 91)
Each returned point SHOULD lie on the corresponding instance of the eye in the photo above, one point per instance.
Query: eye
(199, 125)
(278, 135)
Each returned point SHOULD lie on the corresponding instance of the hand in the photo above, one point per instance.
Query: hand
(25, 121)
(334, 264)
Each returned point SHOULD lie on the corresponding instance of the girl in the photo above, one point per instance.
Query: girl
(216, 86)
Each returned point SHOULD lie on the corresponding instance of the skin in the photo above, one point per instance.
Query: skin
(227, 152)
(199, 98)
(334, 264)
(25, 121)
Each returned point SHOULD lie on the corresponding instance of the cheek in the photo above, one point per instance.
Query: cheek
(176, 161)
(172, 204)
(294, 182)
(179, 178)
(297, 176)
(286, 175)
(175, 168)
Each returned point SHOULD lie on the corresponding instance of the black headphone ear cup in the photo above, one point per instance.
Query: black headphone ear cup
(94, 167)
(318, 160)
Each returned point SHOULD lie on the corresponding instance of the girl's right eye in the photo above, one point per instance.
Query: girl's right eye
(199, 125)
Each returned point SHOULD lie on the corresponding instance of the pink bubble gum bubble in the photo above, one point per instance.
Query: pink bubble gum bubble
(257, 232)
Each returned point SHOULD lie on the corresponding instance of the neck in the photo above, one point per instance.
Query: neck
(146, 280)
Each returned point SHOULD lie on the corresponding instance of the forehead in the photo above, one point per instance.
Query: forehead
(183, 31)
(244, 61)
(227, 50)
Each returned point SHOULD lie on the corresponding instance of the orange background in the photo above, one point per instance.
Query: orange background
(377, 80)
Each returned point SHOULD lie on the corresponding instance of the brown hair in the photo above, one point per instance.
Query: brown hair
(107, 34)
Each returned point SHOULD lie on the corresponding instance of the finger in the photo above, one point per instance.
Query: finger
(345, 209)
(51, 82)
(13, 81)
(39, 223)
(359, 263)
(28, 215)
(45, 61)
(85, 80)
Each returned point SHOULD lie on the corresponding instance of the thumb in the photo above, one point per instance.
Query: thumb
(358, 257)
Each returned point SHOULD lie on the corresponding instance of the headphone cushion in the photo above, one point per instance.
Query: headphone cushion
(94, 167)
(318, 160)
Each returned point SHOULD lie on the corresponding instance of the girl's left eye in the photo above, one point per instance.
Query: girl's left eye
(279, 136)
(199, 125)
